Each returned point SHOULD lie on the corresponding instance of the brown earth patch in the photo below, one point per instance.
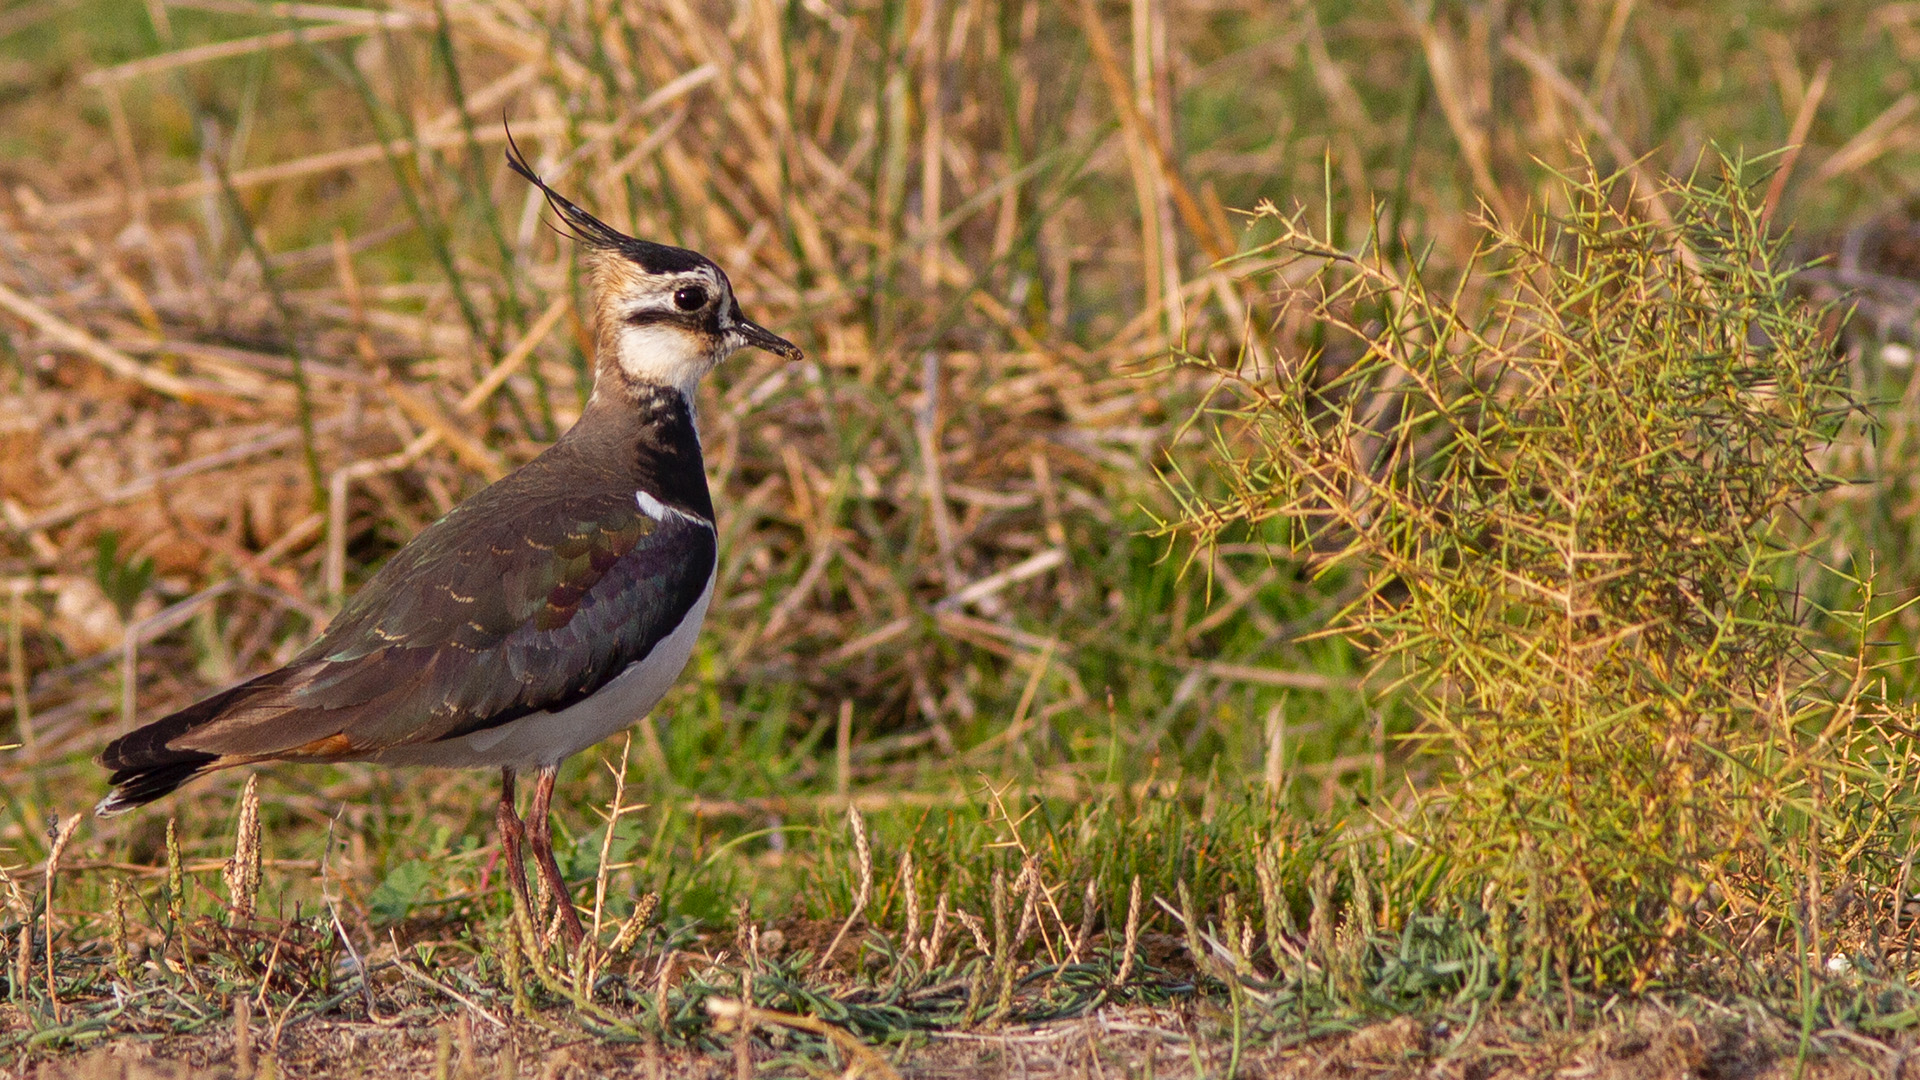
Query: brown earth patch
(1648, 1042)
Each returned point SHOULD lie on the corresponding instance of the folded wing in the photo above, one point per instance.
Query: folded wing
(483, 619)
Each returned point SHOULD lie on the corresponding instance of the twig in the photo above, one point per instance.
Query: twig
(511, 362)
(973, 593)
(222, 50)
(1869, 142)
(865, 1060)
(1796, 141)
(1644, 186)
(17, 683)
(77, 340)
(1217, 248)
(339, 928)
(427, 980)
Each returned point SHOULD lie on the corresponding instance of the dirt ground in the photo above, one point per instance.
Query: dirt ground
(1641, 1042)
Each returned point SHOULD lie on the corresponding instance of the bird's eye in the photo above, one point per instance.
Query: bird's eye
(690, 298)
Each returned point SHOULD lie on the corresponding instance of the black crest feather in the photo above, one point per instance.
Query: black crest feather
(649, 256)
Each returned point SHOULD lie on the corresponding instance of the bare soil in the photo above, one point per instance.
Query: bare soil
(1639, 1042)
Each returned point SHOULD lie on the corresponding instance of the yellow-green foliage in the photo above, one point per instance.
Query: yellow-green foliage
(1567, 478)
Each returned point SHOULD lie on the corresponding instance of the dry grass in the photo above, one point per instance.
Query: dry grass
(269, 302)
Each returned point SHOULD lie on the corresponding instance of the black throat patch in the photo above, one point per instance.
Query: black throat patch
(666, 448)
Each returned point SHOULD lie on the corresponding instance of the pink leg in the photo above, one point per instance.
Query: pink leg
(512, 832)
(540, 839)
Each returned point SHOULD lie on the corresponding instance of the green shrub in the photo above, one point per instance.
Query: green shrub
(1568, 478)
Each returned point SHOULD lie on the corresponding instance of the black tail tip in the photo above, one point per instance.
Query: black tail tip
(140, 786)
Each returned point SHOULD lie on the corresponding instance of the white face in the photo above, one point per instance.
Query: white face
(669, 328)
(672, 329)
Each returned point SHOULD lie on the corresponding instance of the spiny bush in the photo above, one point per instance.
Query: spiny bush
(1567, 479)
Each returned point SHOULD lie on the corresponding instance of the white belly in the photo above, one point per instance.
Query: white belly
(547, 738)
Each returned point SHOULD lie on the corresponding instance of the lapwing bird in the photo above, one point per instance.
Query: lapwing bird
(536, 618)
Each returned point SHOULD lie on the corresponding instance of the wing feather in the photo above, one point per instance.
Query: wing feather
(452, 638)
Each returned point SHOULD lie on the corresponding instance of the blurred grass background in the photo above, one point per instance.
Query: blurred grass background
(273, 303)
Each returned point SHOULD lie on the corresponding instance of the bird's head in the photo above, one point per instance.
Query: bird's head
(662, 315)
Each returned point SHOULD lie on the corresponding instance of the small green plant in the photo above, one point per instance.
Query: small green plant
(122, 579)
(1568, 479)
(394, 898)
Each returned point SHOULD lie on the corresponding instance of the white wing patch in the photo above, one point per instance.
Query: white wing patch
(651, 506)
(658, 510)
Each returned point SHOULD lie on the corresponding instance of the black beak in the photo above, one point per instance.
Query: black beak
(761, 337)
